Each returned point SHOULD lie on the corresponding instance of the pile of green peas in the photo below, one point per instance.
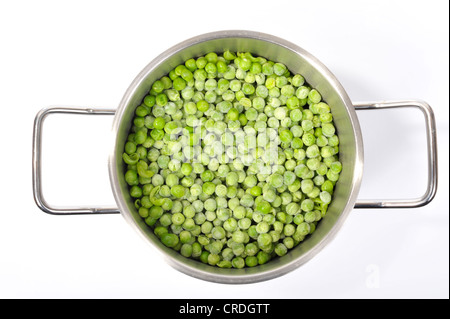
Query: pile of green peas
(231, 159)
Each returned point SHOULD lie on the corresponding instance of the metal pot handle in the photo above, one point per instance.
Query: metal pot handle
(397, 203)
(37, 180)
(432, 155)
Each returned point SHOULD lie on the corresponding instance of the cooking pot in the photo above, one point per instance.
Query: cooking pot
(298, 61)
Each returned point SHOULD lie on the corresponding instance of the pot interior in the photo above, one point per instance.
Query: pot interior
(316, 75)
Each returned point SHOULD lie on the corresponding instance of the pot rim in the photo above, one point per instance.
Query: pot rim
(188, 267)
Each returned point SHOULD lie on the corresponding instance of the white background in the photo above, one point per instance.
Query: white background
(86, 53)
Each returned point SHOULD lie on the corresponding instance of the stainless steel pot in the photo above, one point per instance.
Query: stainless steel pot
(298, 61)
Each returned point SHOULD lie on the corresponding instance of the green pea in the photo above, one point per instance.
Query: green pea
(170, 240)
(149, 100)
(178, 191)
